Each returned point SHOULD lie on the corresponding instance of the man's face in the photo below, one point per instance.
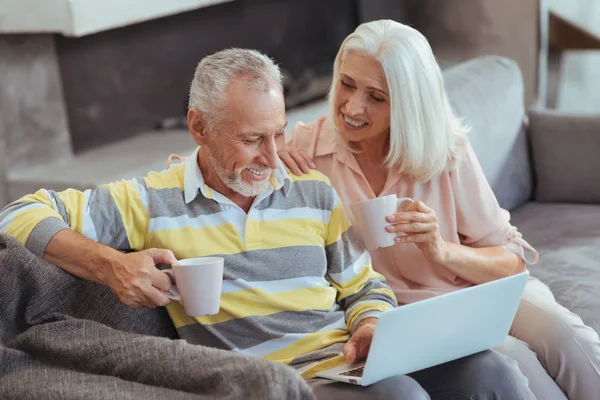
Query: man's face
(243, 150)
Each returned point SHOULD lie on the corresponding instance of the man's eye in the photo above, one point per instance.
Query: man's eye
(251, 141)
(279, 135)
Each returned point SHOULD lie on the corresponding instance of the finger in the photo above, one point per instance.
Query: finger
(130, 302)
(412, 227)
(422, 207)
(414, 206)
(416, 238)
(160, 280)
(300, 161)
(174, 159)
(123, 300)
(156, 298)
(307, 159)
(346, 348)
(171, 159)
(310, 162)
(133, 304)
(349, 351)
(163, 256)
(410, 216)
(290, 162)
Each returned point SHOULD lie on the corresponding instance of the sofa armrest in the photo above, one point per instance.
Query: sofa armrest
(566, 156)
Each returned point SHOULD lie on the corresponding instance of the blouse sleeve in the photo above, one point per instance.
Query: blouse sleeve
(481, 222)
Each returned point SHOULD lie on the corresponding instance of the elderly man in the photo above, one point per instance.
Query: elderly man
(299, 288)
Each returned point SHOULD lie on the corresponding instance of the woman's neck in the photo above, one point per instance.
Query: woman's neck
(371, 161)
(373, 151)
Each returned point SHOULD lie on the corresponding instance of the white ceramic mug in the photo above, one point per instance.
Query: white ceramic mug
(370, 218)
(198, 284)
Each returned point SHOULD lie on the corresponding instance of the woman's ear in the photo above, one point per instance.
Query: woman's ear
(198, 127)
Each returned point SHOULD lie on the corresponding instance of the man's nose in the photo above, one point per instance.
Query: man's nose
(270, 153)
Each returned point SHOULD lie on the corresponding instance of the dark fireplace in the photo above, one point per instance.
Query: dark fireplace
(125, 81)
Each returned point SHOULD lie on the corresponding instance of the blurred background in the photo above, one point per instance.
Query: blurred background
(93, 91)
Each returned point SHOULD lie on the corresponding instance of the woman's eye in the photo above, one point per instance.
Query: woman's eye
(345, 84)
(378, 99)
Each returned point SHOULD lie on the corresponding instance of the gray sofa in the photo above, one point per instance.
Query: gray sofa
(544, 167)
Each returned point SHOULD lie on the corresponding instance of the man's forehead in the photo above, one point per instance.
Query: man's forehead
(274, 128)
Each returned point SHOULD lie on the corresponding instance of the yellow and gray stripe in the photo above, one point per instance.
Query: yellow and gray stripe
(296, 280)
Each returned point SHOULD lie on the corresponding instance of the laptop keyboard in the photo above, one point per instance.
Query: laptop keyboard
(354, 372)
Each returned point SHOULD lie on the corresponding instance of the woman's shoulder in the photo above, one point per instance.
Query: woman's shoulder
(461, 163)
(315, 138)
(467, 173)
(308, 129)
(461, 154)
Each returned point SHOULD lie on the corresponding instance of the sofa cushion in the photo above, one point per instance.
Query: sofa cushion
(566, 156)
(568, 240)
(488, 93)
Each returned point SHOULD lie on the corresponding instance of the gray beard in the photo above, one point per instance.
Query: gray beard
(233, 180)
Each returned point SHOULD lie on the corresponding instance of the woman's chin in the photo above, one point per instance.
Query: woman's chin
(354, 135)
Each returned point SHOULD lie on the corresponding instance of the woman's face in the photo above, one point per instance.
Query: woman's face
(361, 101)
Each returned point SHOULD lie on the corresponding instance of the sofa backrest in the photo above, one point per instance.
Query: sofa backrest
(488, 93)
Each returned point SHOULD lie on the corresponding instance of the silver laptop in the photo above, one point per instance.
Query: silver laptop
(437, 330)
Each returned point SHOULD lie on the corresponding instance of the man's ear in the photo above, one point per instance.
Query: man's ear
(198, 127)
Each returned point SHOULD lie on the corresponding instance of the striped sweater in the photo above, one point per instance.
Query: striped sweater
(296, 280)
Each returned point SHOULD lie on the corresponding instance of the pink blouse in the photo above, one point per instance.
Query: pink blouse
(462, 199)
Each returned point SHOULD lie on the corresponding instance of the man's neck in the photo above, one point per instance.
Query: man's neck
(212, 180)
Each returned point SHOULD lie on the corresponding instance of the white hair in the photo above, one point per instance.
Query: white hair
(214, 72)
(425, 135)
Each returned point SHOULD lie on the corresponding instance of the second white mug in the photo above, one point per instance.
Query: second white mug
(370, 219)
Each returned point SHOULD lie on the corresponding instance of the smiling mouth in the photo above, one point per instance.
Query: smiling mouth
(257, 172)
(354, 123)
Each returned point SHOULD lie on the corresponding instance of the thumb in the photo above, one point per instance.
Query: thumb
(422, 207)
(414, 206)
(163, 256)
(349, 350)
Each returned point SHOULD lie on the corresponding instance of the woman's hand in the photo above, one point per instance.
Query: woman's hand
(419, 224)
(296, 161)
(175, 159)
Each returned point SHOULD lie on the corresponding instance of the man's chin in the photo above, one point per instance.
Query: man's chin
(248, 189)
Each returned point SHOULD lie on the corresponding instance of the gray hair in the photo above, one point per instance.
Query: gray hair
(214, 72)
(425, 134)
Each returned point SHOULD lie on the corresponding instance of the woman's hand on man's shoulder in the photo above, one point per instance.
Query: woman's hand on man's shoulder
(296, 161)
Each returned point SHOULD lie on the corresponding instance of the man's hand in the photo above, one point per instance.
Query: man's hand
(357, 348)
(133, 277)
(137, 282)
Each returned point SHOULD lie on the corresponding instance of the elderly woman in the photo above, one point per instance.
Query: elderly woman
(390, 130)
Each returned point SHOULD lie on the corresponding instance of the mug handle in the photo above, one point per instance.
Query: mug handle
(403, 201)
(173, 293)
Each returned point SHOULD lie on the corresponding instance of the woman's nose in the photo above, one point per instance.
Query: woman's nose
(355, 105)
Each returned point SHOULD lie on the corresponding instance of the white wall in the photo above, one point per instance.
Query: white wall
(83, 17)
